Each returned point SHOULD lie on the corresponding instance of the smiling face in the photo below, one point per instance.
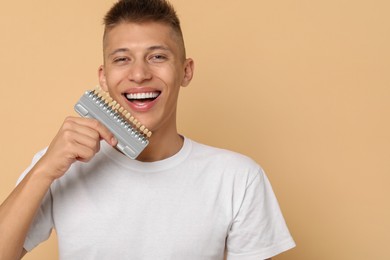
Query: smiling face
(143, 70)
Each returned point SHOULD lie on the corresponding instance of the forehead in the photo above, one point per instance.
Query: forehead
(139, 35)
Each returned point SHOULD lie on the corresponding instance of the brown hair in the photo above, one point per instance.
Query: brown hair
(140, 11)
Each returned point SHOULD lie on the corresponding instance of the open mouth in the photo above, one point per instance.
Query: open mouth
(142, 97)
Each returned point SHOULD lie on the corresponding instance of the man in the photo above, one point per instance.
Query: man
(178, 200)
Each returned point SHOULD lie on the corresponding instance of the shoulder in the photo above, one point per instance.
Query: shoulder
(226, 160)
(204, 150)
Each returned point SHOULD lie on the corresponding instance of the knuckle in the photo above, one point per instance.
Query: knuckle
(95, 135)
(69, 119)
(95, 124)
(68, 123)
(67, 134)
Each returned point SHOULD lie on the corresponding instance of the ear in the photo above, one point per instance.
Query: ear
(188, 72)
(102, 78)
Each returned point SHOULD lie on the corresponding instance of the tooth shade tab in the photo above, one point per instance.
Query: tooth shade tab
(102, 96)
(143, 95)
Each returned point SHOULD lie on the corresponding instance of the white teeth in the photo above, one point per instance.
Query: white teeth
(142, 95)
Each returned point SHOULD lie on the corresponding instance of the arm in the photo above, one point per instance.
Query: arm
(77, 140)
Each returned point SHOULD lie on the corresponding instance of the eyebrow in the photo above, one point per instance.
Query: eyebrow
(118, 50)
(151, 48)
(159, 47)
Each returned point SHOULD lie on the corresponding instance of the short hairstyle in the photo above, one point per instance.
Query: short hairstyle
(140, 11)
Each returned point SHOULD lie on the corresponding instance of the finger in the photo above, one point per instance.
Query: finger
(79, 146)
(87, 137)
(84, 153)
(103, 131)
(81, 134)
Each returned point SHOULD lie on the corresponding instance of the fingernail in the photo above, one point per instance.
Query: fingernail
(113, 141)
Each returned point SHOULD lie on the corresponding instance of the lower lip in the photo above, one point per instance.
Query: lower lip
(142, 106)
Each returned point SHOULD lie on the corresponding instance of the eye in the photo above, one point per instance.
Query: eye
(158, 58)
(120, 60)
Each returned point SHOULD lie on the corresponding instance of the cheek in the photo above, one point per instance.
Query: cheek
(114, 77)
(171, 75)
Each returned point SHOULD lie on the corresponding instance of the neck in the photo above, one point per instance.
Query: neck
(161, 147)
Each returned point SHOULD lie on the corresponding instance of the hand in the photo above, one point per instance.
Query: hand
(77, 140)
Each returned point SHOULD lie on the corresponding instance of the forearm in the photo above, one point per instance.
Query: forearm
(77, 140)
(18, 211)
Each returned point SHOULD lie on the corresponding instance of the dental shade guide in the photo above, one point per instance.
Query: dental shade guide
(132, 136)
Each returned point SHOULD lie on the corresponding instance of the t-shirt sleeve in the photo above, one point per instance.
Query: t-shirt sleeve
(42, 225)
(258, 230)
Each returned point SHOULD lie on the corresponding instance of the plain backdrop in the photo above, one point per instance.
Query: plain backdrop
(303, 87)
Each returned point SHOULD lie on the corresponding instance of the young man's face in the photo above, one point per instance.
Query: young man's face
(143, 70)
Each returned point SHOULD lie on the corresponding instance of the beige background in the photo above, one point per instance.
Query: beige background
(303, 87)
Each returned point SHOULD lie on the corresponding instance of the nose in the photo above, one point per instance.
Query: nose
(139, 72)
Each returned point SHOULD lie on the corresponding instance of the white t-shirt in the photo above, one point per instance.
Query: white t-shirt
(191, 206)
